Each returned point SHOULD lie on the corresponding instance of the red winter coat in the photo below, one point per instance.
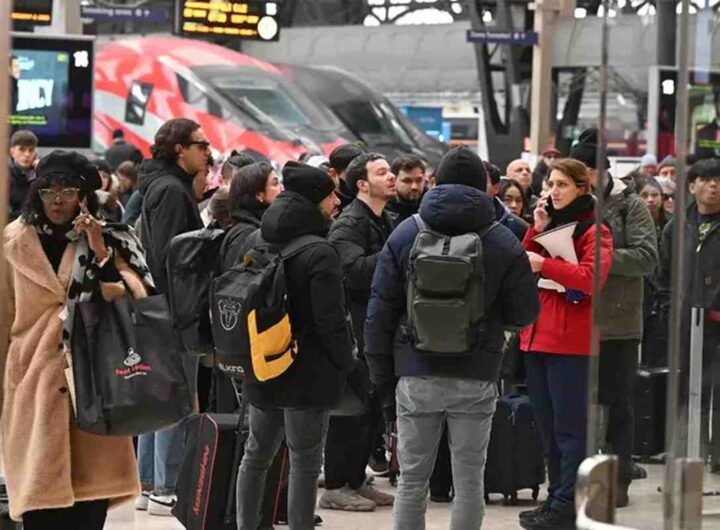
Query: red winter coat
(564, 327)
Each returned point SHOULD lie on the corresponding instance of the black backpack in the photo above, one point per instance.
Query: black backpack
(445, 291)
(251, 326)
(191, 265)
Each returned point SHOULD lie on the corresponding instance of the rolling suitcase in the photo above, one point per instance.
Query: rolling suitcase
(206, 486)
(515, 456)
(650, 411)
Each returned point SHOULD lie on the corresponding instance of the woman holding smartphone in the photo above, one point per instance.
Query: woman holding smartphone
(557, 345)
(58, 254)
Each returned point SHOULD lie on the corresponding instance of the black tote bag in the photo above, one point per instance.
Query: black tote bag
(129, 375)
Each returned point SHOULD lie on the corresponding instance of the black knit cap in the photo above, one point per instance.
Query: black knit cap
(462, 165)
(72, 164)
(585, 150)
(310, 182)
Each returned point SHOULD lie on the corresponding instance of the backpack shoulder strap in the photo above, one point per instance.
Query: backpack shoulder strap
(485, 231)
(419, 222)
(299, 244)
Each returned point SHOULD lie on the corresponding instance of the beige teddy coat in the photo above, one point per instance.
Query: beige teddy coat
(49, 463)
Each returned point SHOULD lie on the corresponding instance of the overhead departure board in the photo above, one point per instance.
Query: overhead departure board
(34, 12)
(254, 20)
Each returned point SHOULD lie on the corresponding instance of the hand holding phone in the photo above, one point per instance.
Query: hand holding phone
(542, 218)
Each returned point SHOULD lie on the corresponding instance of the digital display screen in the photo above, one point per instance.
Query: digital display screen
(51, 89)
(254, 20)
(703, 111)
(35, 12)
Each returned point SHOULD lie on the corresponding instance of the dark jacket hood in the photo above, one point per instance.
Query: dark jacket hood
(249, 215)
(457, 209)
(151, 170)
(291, 215)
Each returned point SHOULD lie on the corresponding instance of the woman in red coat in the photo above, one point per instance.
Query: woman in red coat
(557, 345)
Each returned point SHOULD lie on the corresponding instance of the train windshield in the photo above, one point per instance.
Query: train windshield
(266, 92)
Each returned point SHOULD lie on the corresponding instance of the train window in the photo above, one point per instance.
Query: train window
(198, 98)
(137, 101)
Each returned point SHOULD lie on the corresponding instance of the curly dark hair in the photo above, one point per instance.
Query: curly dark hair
(33, 210)
(171, 133)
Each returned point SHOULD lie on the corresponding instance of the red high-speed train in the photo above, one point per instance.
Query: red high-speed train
(242, 103)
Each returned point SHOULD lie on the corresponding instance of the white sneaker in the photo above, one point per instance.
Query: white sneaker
(141, 502)
(345, 499)
(161, 505)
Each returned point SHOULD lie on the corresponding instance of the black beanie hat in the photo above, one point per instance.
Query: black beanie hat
(585, 150)
(310, 182)
(462, 165)
(72, 164)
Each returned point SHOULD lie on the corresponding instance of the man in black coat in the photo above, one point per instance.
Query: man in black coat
(701, 286)
(169, 208)
(339, 160)
(410, 180)
(121, 151)
(359, 235)
(297, 402)
(23, 147)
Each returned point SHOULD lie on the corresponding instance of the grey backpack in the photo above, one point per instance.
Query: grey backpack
(445, 291)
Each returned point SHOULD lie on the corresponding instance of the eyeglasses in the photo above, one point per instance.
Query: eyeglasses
(204, 145)
(668, 196)
(66, 194)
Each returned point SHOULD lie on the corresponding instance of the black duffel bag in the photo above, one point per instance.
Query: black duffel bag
(129, 375)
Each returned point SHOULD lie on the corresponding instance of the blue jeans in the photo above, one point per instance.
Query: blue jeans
(558, 389)
(159, 457)
(424, 404)
(305, 431)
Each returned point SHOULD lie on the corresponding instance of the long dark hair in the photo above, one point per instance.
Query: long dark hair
(246, 184)
(33, 210)
(640, 183)
(506, 184)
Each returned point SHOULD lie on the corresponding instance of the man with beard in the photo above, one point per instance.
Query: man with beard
(410, 181)
(359, 235)
(340, 159)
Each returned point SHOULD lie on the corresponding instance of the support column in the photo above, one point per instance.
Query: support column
(541, 88)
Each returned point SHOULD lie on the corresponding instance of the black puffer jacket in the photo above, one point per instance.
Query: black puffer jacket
(402, 208)
(169, 208)
(359, 235)
(317, 312)
(246, 221)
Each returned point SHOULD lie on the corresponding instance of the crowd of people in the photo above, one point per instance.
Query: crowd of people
(421, 281)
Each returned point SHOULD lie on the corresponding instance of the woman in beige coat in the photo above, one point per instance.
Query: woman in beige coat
(58, 477)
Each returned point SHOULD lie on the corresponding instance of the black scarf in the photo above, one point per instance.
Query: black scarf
(54, 240)
(581, 209)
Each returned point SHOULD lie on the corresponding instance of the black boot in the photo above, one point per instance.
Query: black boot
(550, 520)
(529, 515)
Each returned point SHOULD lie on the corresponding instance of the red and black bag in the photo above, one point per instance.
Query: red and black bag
(206, 486)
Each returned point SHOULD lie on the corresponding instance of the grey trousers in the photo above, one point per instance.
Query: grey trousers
(305, 431)
(423, 405)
